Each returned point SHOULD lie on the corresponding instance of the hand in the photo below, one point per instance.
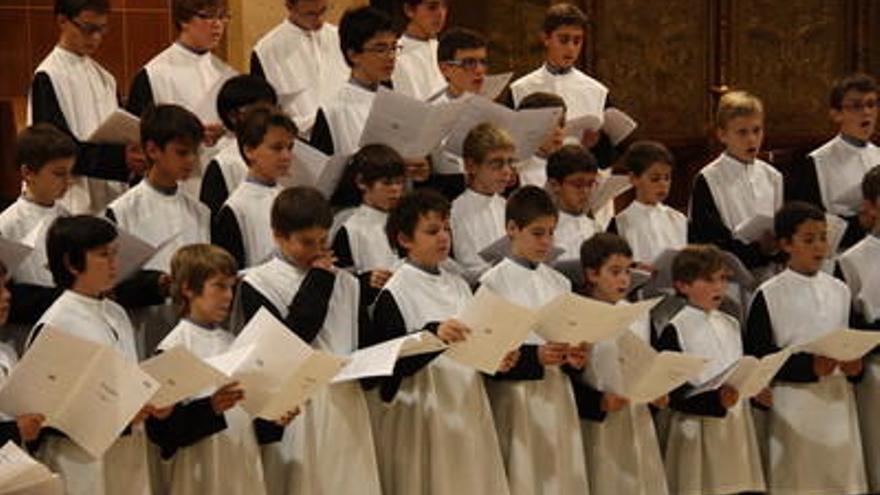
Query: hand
(646, 267)
(823, 366)
(164, 284)
(143, 414)
(552, 353)
(765, 398)
(213, 132)
(135, 159)
(29, 426)
(509, 361)
(851, 368)
(417, 169)
(226, 397)
(729, 396)
(378, 278)
(589, 138)
(578, 355)
(612, 403)
(163, 412)
(661, 402)
(288, 417)
(452, 331)
(326, 261)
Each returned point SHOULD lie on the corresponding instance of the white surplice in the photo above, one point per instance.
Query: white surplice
(840, 167)
(416, 72)
(651, 229)
(477, 221)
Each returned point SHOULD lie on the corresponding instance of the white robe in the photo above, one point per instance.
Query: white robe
(651, 229)
(123, 468)
(532, 172)
(230, 163)
(437, 436)
(27, 222)
(306, 68)
(370, 249)
(477, 221)
(571, 231)
(743, 191)
(333, 431)
(86, 93)
(711, 455)
(346, 114)
(582, 94)
(416, 71)
(537, 420)
(228, 461)
(251, 203)
(443, 161)
(815, 444)
(840, 167)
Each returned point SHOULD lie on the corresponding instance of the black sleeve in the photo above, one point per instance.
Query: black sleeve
(703, 404)
(29, 302)
(758, 341)
(188, 424)
(9, 432)
(612, 226)
(141, 95)
(100, 161)
(214, 191)
(342, 249)
(267, 431)
(308, 310)
(257, 66)
(527, 367)
(803, 184)
(322, 138)
(252, 300)
(706, 227)
(226, 233)
(140, 290)
(587, 398)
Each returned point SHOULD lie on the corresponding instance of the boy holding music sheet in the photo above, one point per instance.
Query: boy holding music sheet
(322, 306)
(533, 170)
(435, 432)
(533, 404)
(571, 178)
(814, 440)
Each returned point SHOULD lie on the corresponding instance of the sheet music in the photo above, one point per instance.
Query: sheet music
(573, 319)
(120, 127)
(180, 375)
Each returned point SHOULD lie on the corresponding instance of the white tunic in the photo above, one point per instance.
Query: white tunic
(416, 72)
(370, 249)
(532, 172)
(651, 229)
(443, 161)
(228, 461)
(537, 420)
(477, 221)
(815, 445)
(334, 429)
(743, 191)
(306, 68)
(346, 115)
(437, 436)
(582, 94)
(711, 455)
(27, 222)
(230, 163)
(251, 203)
(571, 231)
(123, 468)
(840, 167)
(86, 93)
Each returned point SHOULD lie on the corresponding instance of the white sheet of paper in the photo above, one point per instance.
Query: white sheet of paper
(88, 391)
(844, 344)
(497, 327)
(493, 85)
(206, 108)
(135, 252)
(754, 228)
(120, 127)
(607, 189)
(180, 374)
(588, 122)
(413, 128)
(753, 375)
(379, 360)
(618, 125)
(852, 196)
(21, 474)
(573, 319)
(528, 128)
(647, 374)
(836, 229)
(12, 253)
(308, 165)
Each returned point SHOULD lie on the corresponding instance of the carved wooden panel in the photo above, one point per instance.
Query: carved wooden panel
(871, 20)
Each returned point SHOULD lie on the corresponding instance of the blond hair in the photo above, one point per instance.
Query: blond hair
(485, 138)
(737, 104)
(192, 266)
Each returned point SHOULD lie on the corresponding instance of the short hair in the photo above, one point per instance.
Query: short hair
(792, 215)
(69, 239)
(162, 124)
(596, 250)
(528, 204)
(485, 138)
(371, 163)
(40, 144)
(182, 11)
(256, 124)
(871, 184)
(73, 8)
(735, 104)
(861, 82)
(697, 262)
(240, 92)
(459, 39)
(404, 217)
(358, 26)
(642, 154)
(192, 266)
(542, 99)
(300, 208)
(564, 14)
(569, 160)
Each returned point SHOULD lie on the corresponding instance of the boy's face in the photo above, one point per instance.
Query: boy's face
(563, 46)
(205, 30)
(467, 72)
(857, 116)
(808, 247)
(492, 175)
(573, 193)
(305, 246)
(84, 33)
(534, 241)
(869, 215)
(652, 187)
(212, 305)
(554, 140)
(272, 158)
(743, 136)
(307, 14)
(50, 182)
(427, 18)
(178, 160)
(99, 274)
(611, 282)
(375, 61)
(705, 293)
(383, 194)
(431, 240)
(5, 298)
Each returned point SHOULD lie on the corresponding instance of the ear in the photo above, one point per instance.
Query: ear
(835, 115)
(633, 178)
(152, 151)
(785, 245)
(545, 39)
(555, 186)
(720, 134)
(186, 291)
(404, 241)
(681, 287)
(69, 266)
(590, 275)
(445, 69)
(409, 11)
(353, 56)
(249, 154)
(512, 228)
(26, 173)
(359, 182)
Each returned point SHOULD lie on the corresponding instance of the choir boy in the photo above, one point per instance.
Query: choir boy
(571, 177)
(416, 73)
(533, 171)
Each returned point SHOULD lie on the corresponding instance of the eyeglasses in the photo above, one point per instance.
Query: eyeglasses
(469, 63)
(859, 106)
(219, 16)
(90, 29)
(386, 50)
(499, 163)
(580, 184)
